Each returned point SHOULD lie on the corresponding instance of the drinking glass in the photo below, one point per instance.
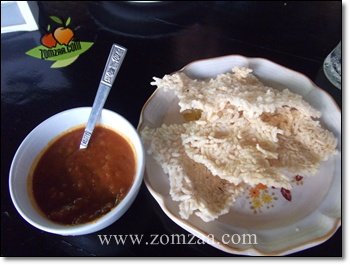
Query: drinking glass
(332, 66)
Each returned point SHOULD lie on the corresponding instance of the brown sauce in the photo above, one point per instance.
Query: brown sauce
(73, 186)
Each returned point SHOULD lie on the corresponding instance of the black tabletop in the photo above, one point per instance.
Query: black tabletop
(161, 38)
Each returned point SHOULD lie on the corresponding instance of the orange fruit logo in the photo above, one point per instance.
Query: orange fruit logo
(62, 35)
(59, 44)
(48, 40)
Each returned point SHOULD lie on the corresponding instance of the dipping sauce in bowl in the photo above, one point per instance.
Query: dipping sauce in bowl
(61, 189)
(73, 186)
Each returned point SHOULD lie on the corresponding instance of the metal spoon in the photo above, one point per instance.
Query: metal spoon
(115, 59)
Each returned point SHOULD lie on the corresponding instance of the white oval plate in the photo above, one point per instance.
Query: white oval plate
(279, 228)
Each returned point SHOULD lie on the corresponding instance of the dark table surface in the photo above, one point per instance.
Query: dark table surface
(161, 38)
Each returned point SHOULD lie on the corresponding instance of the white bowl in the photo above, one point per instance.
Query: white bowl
(38, 139)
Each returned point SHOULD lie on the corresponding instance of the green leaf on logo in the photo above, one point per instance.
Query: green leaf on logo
(35, 52)
(60, 52)
(63, 63)
(68, 22)
(57, 20)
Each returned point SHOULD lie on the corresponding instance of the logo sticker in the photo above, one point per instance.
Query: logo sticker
(59, 44)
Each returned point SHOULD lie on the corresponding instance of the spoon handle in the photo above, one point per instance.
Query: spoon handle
(115, 59)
